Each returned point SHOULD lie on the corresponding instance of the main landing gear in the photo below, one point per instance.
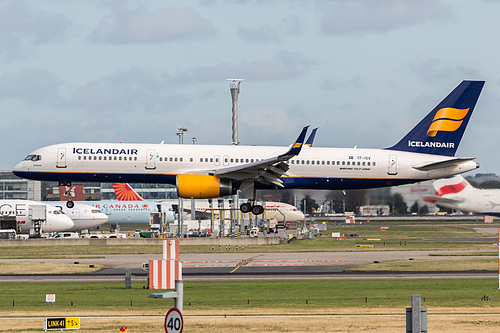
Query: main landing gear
(248, 207)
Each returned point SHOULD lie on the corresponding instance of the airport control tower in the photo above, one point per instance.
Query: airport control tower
(235, 90)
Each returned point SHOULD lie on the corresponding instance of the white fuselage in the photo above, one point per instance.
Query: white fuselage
(26, 212)
(84, 216)
(313, 168)
(132, 212)
(482, 201)
(278, 211)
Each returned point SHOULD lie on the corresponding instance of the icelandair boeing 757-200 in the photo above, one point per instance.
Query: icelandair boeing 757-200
(209, 171)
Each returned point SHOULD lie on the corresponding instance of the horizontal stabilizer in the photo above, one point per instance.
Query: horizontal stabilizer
(437, 200)
(442, 164)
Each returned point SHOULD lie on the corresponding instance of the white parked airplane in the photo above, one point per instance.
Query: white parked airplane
(278, 211)
(131, 212)
(201, 171)
(26, 213)
(457, 193)
(84, 216)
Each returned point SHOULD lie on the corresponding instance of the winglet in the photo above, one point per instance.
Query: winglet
(296, 147)
(310, 139)
(124, 192)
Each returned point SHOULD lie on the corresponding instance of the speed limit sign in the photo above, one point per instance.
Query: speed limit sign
(173, 321)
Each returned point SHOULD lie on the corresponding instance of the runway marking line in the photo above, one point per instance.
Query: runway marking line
(241, 263)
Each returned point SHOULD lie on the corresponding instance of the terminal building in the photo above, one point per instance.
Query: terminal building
(15, 188)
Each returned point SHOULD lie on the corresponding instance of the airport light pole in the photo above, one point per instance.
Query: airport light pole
(180, 232)
(180, 134)
(193, 139)
(235, 90)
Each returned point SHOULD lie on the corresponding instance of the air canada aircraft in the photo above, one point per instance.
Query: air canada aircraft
(210, 171)
(457, 193)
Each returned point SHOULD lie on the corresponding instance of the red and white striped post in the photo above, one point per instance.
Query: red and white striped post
(164, 273)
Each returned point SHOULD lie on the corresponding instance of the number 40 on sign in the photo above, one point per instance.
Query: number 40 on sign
(174, 322)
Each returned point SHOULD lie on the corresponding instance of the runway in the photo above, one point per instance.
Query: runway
(260, 266)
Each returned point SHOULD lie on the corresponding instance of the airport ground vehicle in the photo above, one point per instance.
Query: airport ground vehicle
(73, 235)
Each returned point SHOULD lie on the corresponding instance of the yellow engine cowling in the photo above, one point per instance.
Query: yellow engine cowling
(203, 186)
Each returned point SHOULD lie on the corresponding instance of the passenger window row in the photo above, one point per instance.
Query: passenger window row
(107, 158)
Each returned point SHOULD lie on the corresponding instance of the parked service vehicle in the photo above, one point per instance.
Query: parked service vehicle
(74, 235)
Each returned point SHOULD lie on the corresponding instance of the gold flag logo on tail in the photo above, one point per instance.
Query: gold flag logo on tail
(447, 120)
(297, 145)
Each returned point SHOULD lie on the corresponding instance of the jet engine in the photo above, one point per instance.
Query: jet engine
(203, 186)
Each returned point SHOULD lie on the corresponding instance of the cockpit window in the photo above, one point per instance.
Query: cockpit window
(33, 158)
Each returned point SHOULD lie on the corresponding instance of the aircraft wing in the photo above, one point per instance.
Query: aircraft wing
(442, 164)
(267, 171)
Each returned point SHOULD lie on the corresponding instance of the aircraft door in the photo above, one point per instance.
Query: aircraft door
(150, 159)
(61, 158)
(393, 165)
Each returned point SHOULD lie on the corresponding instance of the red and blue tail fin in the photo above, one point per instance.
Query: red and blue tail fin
(440, 132)
(124, 192)
(451, 185)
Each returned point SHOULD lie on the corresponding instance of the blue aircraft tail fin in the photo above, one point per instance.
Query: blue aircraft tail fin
(440, 132)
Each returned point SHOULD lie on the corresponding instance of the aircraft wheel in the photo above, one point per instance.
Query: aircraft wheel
(257, 210)
(70, 204)
(245, 208)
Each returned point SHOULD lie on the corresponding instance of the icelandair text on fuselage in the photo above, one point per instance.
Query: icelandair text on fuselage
(105, 151)
(431, 144)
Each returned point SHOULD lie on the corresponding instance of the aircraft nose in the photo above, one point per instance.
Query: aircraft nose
(68, 222)
(19, 167)
(170, 217)
(102, 216)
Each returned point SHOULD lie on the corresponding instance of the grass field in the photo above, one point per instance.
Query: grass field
(280, 306)
(399, 237)
(250, 297)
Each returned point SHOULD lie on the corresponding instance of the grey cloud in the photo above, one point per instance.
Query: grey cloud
(22, 27)
(32, 85)
(364, 16)
(137, 90)
(285, 66)
(269, 34)
(355, 82)
(434, 70)
(259, 34)
(141, 27)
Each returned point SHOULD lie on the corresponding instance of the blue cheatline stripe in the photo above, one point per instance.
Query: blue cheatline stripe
(288, 182)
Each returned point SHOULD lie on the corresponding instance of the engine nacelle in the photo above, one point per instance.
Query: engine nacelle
(203, 186)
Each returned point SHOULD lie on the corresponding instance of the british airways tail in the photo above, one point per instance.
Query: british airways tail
(440, 132)
(451, 185)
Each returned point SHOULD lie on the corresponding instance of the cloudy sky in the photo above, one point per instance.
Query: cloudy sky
(364, 71)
